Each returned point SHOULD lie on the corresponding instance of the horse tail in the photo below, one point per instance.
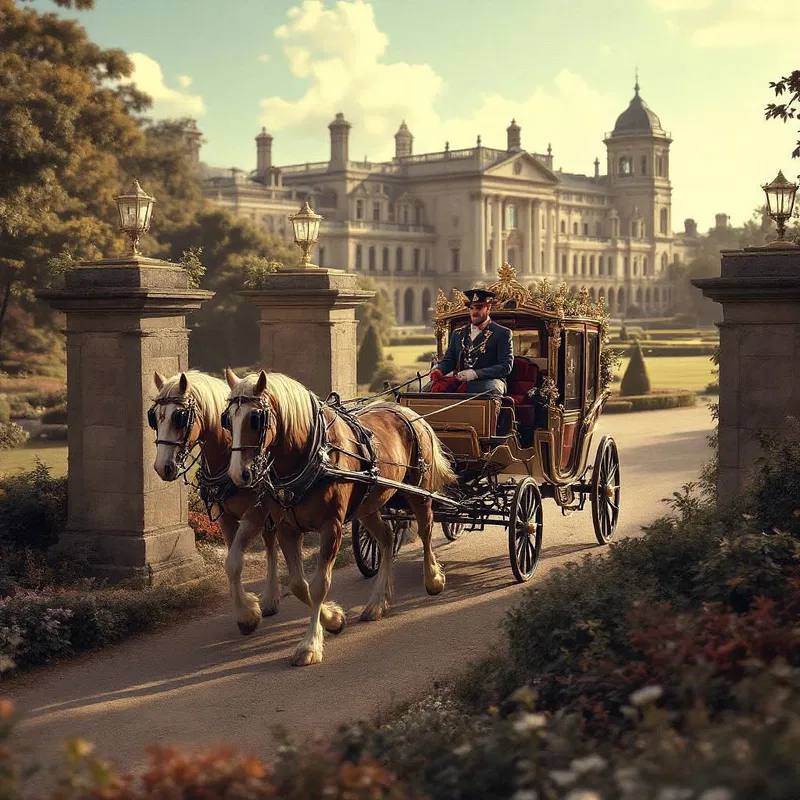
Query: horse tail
(441, 470)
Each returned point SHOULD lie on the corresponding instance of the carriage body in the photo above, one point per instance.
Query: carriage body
(535, 441)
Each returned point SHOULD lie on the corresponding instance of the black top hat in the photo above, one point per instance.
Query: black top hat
(479, 296)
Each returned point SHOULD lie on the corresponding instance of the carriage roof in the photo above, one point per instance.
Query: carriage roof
(541, 301)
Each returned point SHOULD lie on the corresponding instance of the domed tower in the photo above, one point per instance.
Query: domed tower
(638, 171)
(403, 141)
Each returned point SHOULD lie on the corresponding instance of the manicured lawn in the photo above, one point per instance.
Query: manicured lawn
(54, 454)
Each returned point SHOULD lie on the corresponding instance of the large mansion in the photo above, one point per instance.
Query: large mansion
(429, 220)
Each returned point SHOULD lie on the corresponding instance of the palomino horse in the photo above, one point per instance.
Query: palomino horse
(283, 438)
(187, 412)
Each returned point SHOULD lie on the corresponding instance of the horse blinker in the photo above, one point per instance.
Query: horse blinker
(151, 419)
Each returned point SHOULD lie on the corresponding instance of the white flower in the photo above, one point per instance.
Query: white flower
(646, 695)
(462, 749)
(525, 794)
(588, 763)
(717, 793)
(529, 722)
(563, 777)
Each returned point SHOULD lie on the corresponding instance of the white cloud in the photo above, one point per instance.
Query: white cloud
(339, 53)
(149, 78)
(263, 58)
(185, 81)
(734, 23)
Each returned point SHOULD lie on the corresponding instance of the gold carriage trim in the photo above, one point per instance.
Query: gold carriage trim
(541, 296)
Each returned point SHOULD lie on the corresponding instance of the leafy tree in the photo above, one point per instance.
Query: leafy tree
(377, 311)
(635, 381)
(225, 329)
(789, 85)
(370, 355)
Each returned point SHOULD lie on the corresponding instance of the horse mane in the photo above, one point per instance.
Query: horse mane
(210, 394)
(291, 401)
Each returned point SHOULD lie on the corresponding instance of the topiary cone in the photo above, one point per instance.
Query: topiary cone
(635, 380)
(370, 355)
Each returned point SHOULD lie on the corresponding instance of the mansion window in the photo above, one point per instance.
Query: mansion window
(599, 265)
(511, 216)
(358, 256)
(591, 265)
(574, 265)
(416, 259)
(376, 211)
(583, 265)
(371, 259)
(598, 230)
(385, 264)
(404, 215)
(563, 226)
(626, 165)
(455, 259)
(359, 209)
(574, 228)
(644, 165)
(635, 266)
(663, 220)
(398, 259)
(585, 228)
(419, 216)
(660, 166)
(644, 265)
(663, 261)
(564, 263)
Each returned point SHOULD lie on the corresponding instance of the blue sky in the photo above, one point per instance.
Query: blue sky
(458, 68)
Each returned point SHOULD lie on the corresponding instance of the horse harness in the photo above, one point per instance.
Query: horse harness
(290, 490)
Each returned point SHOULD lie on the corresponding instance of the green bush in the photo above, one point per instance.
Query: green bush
(52, 433)
(617, 407)
(12, 436)
(635, 380)
(398, 341)
(56, 415)
(651, 402)
(370, 355)
(387, 371)
(33, 508)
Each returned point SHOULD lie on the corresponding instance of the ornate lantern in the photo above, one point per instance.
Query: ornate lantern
(780, 202)
(306, 231)
(135, 212)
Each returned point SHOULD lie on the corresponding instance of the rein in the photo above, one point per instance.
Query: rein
(188, 408)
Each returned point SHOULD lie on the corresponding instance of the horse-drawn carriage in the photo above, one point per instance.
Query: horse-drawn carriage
(534, 442)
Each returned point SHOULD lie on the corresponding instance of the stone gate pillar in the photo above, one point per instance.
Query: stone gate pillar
(308, 327)
(759, 371)
(125, 319)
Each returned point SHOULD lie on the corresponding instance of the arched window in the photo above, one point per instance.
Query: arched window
(416, 259)
(660, 166)
(398, 259)
(600, 265)
(663, 220)
(426, 305)
(563, 226)
(626, 166)
(371, 259)
(385, 259)
(626, 262)
(644, 165)
(591, 265)
(359, 209)
(358, 257)
(564, 263)
(644, 265)
(408, 306)
(574, 228)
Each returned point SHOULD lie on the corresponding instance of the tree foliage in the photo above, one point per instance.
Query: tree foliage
(635, 381)
(377, 311)
(789, 86)
(370, 355)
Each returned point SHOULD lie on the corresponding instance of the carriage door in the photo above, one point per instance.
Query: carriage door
(571, 375)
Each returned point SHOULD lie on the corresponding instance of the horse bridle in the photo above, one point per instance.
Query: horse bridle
(259, 422)
(183, 418)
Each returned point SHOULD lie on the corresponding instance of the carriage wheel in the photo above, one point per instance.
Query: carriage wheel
(525, 523)
(365, 548)
(605, 490)
(452, 530)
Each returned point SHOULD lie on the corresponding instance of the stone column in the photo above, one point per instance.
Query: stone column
(497, 247)
(536, 264)
(125, 320)
(759, 289)
(526, 236)
(479, 241)
(308, 327)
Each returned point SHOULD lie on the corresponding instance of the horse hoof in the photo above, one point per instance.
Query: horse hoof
(304, 658)
(269, 611)
(246, 628)
(436, 586)
(371, 614)
(341, 627)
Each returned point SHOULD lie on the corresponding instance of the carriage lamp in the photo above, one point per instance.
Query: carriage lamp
(306, 231)
(780, 202)
(135, 212)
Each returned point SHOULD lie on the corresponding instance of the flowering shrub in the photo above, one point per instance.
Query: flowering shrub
(205, 530)
(12, 436)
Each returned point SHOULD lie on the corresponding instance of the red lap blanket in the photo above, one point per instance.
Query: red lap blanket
(446, 384)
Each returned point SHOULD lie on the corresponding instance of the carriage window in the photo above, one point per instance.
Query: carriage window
(571, 368)
(591, 375)
(527, 343)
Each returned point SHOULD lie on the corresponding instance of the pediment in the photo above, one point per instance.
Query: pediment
(522, 166)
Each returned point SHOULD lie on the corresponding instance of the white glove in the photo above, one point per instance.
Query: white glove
(467, 375)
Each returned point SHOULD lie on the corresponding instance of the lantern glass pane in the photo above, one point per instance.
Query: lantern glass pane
(127, 213)
(301, 230)
(313, 233)
(148, 214)
(144, 208)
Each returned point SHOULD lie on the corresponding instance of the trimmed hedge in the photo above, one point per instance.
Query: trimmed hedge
(397, 341)
(651, 402)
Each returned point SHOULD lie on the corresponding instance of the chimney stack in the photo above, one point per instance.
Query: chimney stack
(403, 141)
(514, 139)
(263, 155)
(340, 149)
(597, 168)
